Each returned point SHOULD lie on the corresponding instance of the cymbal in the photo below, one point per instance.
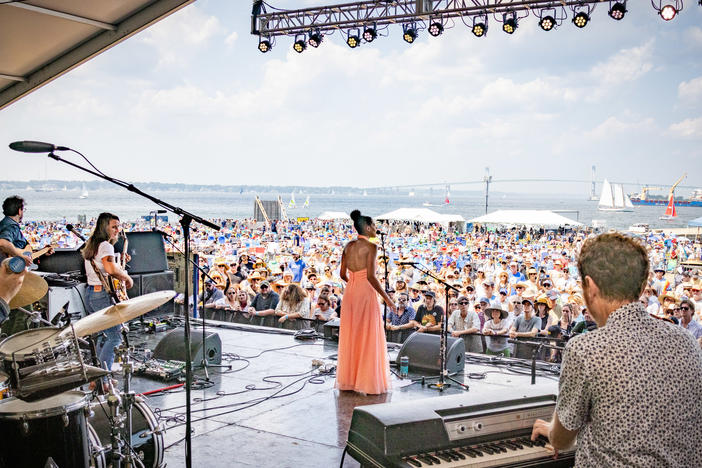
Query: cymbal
(33, 288)
(120, 313)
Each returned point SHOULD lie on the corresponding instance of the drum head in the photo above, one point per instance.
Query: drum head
(66, 402)
(25, 342)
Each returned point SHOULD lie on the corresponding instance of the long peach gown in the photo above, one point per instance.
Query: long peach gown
(362, 364)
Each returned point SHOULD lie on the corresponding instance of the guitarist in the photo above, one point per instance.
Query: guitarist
(99, 255)
(13, 244)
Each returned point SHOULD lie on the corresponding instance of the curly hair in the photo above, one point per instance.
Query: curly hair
(293, 295)
(618, 265)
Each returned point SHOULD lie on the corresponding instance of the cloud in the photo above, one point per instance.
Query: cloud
(624, 66)
(688, 128)
(178, 37)
(690, 90)
(231, 39)
(694, 35)
(614, 126)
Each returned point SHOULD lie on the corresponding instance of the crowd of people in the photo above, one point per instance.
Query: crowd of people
(504, 283)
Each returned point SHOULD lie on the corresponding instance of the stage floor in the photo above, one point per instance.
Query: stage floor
(303, 422)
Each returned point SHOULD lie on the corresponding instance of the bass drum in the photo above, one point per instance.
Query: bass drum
(49, 432)
(147, 438)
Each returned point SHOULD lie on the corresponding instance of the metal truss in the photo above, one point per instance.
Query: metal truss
(386, 12)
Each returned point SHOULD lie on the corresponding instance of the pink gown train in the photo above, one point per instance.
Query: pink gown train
(362, 364)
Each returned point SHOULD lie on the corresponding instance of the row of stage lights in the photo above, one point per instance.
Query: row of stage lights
(548, 20)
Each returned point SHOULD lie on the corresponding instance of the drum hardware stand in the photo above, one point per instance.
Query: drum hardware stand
(441, 385)
(186, 218)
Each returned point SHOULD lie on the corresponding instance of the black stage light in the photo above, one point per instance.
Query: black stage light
(299, 46)
(581, 19)
(668, 12)
(479, 29)
(315, 39)
(509, 23)
(264, 45)
(547, 23)
(436, 28)
(617, 11)
(369, 34)
(410, 33)
(353, 40)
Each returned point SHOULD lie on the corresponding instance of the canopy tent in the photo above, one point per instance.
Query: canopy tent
(526, 218)
(333, 215)
(697, 222)
(45, 39)
(421, 215)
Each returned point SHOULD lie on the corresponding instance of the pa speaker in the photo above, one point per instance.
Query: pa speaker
(331, 329)
(422, 349)
(172, 347)
(62, 261)
(153, 282)
(147, 251)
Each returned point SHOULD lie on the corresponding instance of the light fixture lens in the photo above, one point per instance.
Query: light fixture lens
(265, 46)
(509, 26)
(436, 28)
(581, 19)
(617, 11)
(547, 23)
(353, 41)
(315, 39)
(410, 35)
(299, 46)
(668, 12)
(479, 29)
(369, 34)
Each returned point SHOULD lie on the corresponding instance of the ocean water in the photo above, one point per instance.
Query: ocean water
(60, 205)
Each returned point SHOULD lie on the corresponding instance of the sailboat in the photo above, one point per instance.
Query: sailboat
(613, 198)
(84, 193)
(365, 193)
(670, 212)
(411, 194)
(291, 203)
(307, 202)
(446, 200)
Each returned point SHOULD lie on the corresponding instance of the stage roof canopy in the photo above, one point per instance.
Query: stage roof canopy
(41, 40)
(332, 215)
(525, 218)
(421, 215)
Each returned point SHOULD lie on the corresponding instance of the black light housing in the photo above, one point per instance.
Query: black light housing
(509, 23)
(315, 39)
(436, 29)
(353, 40)
(370, 33)
(409, 33)
(299, 45)
(581, 19)
(480, 26)
(668, 12)
(617, 11)
(264, 45)
(547, 22)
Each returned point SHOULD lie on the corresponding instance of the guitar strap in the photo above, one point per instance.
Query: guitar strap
(101, 277)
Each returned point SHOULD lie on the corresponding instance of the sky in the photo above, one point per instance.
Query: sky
(192, 100)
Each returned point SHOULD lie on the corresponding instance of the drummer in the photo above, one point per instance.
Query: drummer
(99, 251)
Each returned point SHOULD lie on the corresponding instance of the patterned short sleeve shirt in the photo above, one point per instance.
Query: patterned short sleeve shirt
(633, 390)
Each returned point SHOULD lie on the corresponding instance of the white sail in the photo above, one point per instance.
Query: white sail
(606, 197)
(84, 193)
(627, 201)
(618, 195)
(291, 203)
(307, 202)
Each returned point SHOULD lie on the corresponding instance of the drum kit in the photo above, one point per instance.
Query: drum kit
(47, 421)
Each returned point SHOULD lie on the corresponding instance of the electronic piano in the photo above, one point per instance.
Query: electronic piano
(454, 431)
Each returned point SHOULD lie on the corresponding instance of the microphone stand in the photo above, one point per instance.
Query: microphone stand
(538, 346)
(186, 218)
(443, 373)
(385, 276)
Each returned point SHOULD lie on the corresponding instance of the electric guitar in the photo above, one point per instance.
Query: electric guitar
(118, 288)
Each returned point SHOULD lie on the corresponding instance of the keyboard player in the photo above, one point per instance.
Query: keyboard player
(630, 390)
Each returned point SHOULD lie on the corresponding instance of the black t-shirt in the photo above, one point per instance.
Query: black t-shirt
(429, 317)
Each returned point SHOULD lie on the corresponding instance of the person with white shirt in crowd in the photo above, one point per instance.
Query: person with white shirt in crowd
(465, 323)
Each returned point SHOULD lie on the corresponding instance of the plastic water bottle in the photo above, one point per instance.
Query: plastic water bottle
(17, 264)
(404, 366)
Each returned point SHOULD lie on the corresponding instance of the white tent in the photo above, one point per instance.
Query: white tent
(332, 215)
(526, 218)
(422, 215)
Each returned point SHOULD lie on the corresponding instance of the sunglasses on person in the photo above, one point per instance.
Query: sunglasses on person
(263, 286)
(463, 302)
(519, 287)
(453, 303)
(684, 308)
(477, 307)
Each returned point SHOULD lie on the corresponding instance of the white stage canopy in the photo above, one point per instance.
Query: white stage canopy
(332, 215)
(421, 215)
(526, 218)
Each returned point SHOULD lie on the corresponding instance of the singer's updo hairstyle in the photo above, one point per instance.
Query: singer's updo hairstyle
(360, 222)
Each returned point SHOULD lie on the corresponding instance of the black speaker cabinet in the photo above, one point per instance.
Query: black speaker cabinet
(422, 349)
(163, 281)
(62, 261)
(136, 289)
(147, 251)
(331, 329)
(172, 347)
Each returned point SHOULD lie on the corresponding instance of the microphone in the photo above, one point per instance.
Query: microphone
(405, 263)
(74, 231)
(36, 147)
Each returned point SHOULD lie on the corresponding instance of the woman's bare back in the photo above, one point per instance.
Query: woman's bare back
(357, 253)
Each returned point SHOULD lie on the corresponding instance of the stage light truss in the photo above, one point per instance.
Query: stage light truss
(379, 13)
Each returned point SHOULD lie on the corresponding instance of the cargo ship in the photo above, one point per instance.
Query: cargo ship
(644, 198)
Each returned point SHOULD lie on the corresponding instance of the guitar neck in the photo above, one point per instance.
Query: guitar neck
(38, 253)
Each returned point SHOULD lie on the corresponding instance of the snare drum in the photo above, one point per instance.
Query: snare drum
(147, 439)
(53, 428)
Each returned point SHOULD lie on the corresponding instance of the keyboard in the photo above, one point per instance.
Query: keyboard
(453, 431)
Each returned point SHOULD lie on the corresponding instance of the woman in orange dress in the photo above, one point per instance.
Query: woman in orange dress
(362, 364)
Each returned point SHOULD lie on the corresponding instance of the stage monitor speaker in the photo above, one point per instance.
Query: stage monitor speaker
(422, 349)
(147, 251)
(58, 296)
(163, 281)
(62, 261)
(172, 347)
(331, 329)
